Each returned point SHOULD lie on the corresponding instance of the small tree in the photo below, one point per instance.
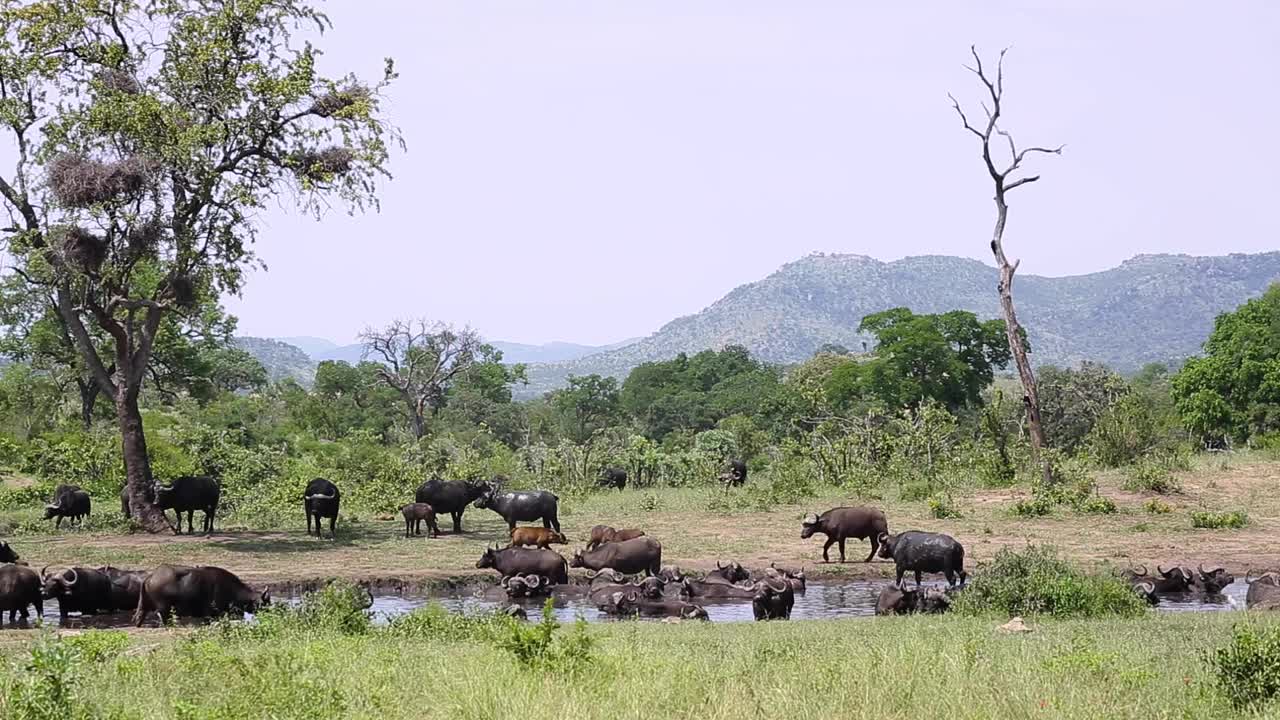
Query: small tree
(147, 137)
(1005, 180)
(421, 362)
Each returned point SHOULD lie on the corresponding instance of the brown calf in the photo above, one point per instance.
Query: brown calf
(542, 537)
(601, 534)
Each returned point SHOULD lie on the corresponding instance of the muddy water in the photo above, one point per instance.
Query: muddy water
(821, 601)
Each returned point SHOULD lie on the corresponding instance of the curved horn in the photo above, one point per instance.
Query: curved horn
(1147, 586)
(54, 506)
(719, 566)
(591, 574)
(505, 582)
(1186, 574)
(1164, 573)
(1249, 579)
(533, 581)
(780, 587)
(44, 571)
(322, 497)
(1217, 570)
(1144, 572)
(75, 577)
(633, 595)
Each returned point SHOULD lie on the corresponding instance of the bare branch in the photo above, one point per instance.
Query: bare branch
(1020, 182)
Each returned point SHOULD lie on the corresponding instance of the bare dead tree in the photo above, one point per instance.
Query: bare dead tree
(420, 361)
(1005, 180)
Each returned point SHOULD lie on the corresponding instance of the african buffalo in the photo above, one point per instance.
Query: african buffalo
(794, 578)
(894, 600)
(87, 591)
(638, 555)
(601, 534)
(773, 599)
(202, 591)
(614, 478)
(730, 574)
(70, 502)
(633, 603)
(922, 552)
(320, 500)
(842, 523)
(188, 494)
(451, 497)
(735, 474)
(8, 554)
(522, 506)
(19, 587)
(417, 513)
(1264, 591)
(541, 537)
(525, 561)
(1212, 582)
(125, 586)
(706, 589)
(527, 585)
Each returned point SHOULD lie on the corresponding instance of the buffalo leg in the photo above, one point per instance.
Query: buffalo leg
(555, 521)
(433, 527)
(333, 524)
(57, 524)
(842, 550)
(457, 522)
(875, 545)
(407, 525)
(919, 577)
(951, 578)
(825, 548)
(901, 572)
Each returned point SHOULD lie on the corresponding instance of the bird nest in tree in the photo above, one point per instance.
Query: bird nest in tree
(83, 250)
(323, 164)
(184, 291)
(119, 81)
(143, 237)
(331, 104)
(78, 181)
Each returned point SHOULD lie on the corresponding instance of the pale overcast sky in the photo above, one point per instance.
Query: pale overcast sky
(587, 171)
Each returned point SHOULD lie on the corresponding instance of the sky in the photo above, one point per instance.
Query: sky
(587, 171)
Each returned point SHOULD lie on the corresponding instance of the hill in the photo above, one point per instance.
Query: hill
(1150, 308)
(281, 359)
(552, 352)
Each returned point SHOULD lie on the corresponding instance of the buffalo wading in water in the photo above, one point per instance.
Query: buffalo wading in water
(1264, 591)
(511, 561)
(638, 555)
(773, 599)
(320, 500)
(205, 591)
(842, 523)
(417, 513)
(70, 502)
(894, 600)
(601, 534)
(452, 497)
(522, 506)
(924, 552)
(189, 494)
(632, 602)
(87, 591)
(522, 586)
(20, 587)
(1211, 582)
(541, 537)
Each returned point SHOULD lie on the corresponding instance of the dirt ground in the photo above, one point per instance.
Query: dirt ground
(694, 536)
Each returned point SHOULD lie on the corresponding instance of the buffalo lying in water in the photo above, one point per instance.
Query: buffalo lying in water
(522, 586)
(632, 603)
(1264, 591)
(894, 600)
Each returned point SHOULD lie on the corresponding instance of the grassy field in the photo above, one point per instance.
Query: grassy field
(877, 669)
(696, 531)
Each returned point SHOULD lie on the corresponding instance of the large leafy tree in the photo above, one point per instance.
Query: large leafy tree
(1072, 400)
(588, 405)
(949, 358)
(1232, 392)
(147, 137)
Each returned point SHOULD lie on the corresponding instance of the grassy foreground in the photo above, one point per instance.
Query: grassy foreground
(699, 526)
(951, 667)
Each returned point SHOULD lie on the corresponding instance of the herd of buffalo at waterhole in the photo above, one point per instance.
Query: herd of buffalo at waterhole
(624, 573)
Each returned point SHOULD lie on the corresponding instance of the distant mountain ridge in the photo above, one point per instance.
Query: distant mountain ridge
(1151, 308)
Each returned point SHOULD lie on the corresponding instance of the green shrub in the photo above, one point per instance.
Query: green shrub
(435, 624)
(915, 491)
(943, 507)
(1036, 580)
(1247, 669)
(45, 686)
(1156, 506)
(1153, 473)
(1038, 505)
(1095, 505)
(340, 607)
(538, 646)
(1232, 520)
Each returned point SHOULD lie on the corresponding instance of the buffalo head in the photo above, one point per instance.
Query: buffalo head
(886, 545)
(7, 553)
(576, 561)
(808, 526)
(1215, 580)
(53, 508)
(651, 587)
(1147, 591)
(59, 583)
(488, 559)
(733, 572)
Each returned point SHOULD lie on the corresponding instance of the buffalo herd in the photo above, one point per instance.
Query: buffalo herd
(625, 574)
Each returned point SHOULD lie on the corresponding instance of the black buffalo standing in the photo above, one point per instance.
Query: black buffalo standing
(88, 591)
(8, 554)
(195, 592)
(20, 587)
(188, 494)
(451, 497)
(70, 502)
(511, 561)
(735, 475)
(773, 599)
(321, 500)
(842, 523)
(614, 478)
(922, 552)
(522, 506)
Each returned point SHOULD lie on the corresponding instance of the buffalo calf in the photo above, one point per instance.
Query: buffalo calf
(541, 537)
(417, 513)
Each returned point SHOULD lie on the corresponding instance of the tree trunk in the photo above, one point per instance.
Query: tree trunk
(89, 392)
(137, 465)
(1030, 397)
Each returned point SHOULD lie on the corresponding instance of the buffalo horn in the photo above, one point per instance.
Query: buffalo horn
(75, 577)
(54, 506)
(776, 588)
(321, 497)
(719, 566)
(1164, 573)
(1186, 574)
(44, 571)
(1144, 572)
(1147, 586)
(505, 582)
(633, 595)
(532, 581)
(1249, 579)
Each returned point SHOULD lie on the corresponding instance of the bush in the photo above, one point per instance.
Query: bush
(1038, 505)
(340, 607)
(1154, 473)
(1247, 669)
(915, 491)
(1036, 580)
(1155, 506)
(538, 646)
(1232, 520)
(1095, 505)
(435, 624)
(943, 507)
(45, 685)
